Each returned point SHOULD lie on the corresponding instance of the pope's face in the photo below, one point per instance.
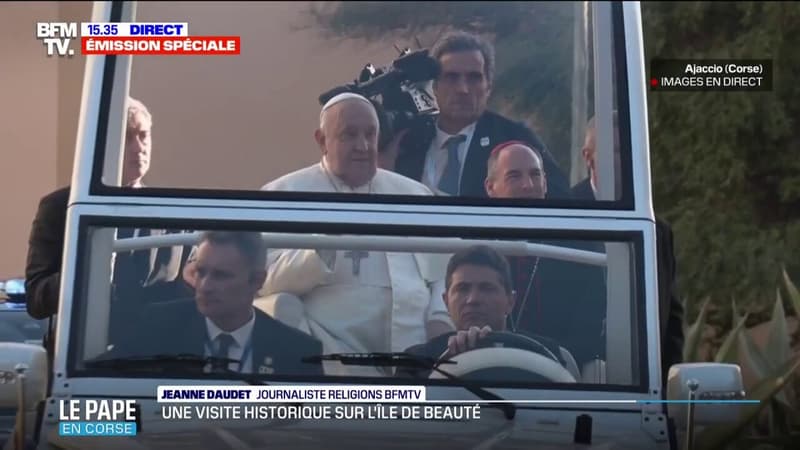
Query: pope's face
(349, 141)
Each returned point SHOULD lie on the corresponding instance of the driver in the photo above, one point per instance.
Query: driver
(479, 297)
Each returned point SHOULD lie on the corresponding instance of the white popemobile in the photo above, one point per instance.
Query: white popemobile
(527, 399)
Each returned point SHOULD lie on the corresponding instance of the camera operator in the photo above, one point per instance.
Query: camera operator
(388, 141)
(450, 154)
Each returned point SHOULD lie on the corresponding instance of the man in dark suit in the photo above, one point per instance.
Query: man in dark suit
(670, 307)
(228, 269)
(45, 249)
(563, 300)
(449, 153)
(156, 271)
(583, 190)
(560, 299)
(479, 296)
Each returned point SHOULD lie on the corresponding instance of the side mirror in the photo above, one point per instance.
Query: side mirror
(23, 385)
(13, 358)
(705, 382)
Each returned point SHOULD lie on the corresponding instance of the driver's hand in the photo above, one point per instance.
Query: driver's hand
(466, 339)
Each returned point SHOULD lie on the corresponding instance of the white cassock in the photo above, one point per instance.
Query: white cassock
(367, 301)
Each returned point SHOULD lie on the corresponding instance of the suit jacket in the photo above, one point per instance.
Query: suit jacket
(494, 127)
(670, 307)
(45, 251)
(566, 302)
(45, 248)
(150, 275)
(583, 190)
(177, 327)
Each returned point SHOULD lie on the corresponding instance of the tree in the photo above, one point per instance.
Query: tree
(533, 45)
(725, 164)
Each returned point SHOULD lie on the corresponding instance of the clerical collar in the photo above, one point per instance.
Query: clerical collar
(341, 186)
(240, 335)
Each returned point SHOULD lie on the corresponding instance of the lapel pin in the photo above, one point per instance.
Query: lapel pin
(484, 141)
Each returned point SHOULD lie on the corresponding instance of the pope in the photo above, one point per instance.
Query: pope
(358, 301)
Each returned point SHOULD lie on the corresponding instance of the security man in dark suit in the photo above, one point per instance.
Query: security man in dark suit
(670, 307)
(563, 300)
(227, 270)
(45, 250)
(138, 275)
(449, 154)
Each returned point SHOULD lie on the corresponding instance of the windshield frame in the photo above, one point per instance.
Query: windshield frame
(106, 137)
(631, 232)
(90, 197)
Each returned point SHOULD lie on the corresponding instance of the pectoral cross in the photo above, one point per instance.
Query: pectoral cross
(356, 256)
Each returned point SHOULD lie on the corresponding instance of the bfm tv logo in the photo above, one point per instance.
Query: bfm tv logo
(97, 418)
(56, 36)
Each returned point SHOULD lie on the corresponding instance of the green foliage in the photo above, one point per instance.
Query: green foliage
(694, 334)
(719, 436)
(779, 342)
(776, 369)
(727, 351)
(725, 166)
(794, 294)
(726, 171)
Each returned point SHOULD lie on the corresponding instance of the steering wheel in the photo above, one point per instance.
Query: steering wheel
(514, 340)
(515, 355)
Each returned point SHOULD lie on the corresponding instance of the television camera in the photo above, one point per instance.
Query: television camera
(399, 91)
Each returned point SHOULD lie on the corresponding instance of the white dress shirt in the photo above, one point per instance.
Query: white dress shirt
(241, 336)
(436, 158)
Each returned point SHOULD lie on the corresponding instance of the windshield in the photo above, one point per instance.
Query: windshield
(508, 311)
(15, 323)
(499, 104)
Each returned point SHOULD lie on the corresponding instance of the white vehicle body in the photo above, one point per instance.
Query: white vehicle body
(545, 416)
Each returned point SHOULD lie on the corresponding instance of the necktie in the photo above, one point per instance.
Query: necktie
(224, 343)
(449, 181)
